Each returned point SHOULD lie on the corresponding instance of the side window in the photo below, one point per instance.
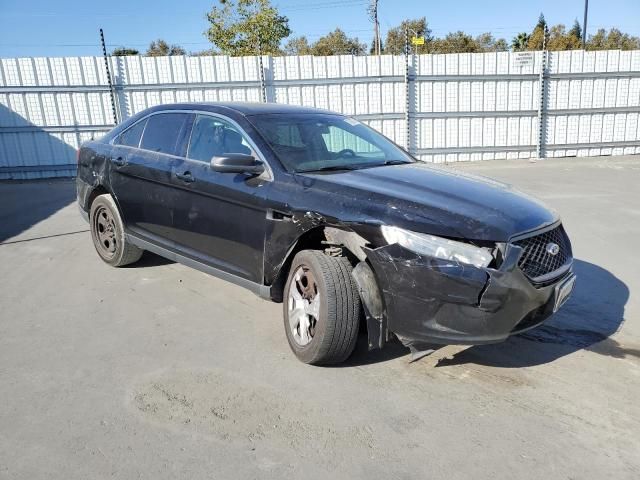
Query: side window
(131, 136)
(212, 137)
(162, 132)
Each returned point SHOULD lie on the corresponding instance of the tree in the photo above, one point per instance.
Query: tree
(244, 27)
(487, 43)
(160, 48)
(298, 46)
(519, 42)
(205, 53)
(576, 30)
(536, 39)
(337, 43)
(394, 43)
(559, 39)
(124, 52)
(455, 42)
(613, 40)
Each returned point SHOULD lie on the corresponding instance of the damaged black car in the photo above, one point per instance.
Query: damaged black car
(324, 214)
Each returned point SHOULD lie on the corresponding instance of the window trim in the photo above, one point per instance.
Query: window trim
(114, 139)
(145, 129)
(242, 131)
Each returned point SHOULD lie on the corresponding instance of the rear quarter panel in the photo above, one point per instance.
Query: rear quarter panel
(93, 165)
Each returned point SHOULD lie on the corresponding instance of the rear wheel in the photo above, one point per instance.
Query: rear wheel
(321, 308)
(107, 232)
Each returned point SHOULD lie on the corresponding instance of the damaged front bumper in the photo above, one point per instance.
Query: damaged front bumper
(428, 300)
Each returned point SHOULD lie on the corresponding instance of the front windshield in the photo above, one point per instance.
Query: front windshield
(313, 142)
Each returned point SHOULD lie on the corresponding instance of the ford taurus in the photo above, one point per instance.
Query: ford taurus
(324, 214)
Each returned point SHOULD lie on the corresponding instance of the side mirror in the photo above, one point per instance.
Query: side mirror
(236, 163)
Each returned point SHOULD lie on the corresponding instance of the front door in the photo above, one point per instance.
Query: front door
(220, 218)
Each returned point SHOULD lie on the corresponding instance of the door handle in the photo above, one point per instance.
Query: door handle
(119, 162)
(185, 177)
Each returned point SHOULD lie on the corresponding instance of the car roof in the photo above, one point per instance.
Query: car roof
(243, 108)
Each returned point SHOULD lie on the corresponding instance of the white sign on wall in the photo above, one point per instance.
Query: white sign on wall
(522, 59)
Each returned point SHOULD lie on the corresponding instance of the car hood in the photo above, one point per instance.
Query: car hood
(433, 200)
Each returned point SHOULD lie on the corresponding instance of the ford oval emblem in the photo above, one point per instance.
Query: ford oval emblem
(552, 248)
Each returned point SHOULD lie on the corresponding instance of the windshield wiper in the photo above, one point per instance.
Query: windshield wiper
(396, 162)
(360, 166)
(330, 168)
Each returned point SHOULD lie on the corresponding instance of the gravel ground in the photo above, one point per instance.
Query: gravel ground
(159, 371)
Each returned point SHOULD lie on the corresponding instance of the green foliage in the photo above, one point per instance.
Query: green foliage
(612, 40)
(455, 42)
(124, 52)
(334, 43)
(536, 39)
(297, 46)
(160, 48)
(247, 27)
(559, 39)
(519, 42)
(205, 53)
(244, 27)
(576, 30)
(487, 43)
(460, 42)
(394, 43)
(337, 43)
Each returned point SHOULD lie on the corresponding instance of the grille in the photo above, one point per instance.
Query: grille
(535, 261)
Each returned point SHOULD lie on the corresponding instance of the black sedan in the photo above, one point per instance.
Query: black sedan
(318, 211)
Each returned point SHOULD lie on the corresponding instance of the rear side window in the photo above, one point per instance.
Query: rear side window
(131, 136)
(163, 131)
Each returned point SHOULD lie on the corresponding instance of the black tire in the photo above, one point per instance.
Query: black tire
(107, 232)
(334, 334)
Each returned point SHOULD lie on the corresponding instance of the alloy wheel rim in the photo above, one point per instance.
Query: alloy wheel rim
(104, 227)
(303, 306)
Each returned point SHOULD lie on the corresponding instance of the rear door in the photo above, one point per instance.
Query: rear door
(220, 218)
(141, 174)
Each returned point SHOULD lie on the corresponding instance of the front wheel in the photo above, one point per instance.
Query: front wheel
(321, 308)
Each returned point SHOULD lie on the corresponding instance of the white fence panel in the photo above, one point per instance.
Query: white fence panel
(443, 108)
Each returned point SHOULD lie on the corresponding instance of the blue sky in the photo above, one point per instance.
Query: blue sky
(69, 27)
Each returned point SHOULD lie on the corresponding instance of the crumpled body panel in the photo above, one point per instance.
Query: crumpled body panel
(437, 301)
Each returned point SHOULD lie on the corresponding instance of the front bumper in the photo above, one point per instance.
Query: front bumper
(436, 301)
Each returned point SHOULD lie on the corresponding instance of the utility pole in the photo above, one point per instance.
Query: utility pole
(584, 25)
(373, 15)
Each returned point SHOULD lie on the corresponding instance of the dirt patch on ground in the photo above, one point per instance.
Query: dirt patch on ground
(212, 403)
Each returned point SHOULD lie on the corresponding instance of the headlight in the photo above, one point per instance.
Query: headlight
(437, 247)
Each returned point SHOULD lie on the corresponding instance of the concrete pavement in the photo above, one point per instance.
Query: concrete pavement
(159, 371)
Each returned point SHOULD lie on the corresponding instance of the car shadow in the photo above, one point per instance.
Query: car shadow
(149, 259)
(363, 356)
(594, 312)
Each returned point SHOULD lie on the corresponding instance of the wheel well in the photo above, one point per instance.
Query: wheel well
(310, 240)
(314, 239)
(99, 190)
